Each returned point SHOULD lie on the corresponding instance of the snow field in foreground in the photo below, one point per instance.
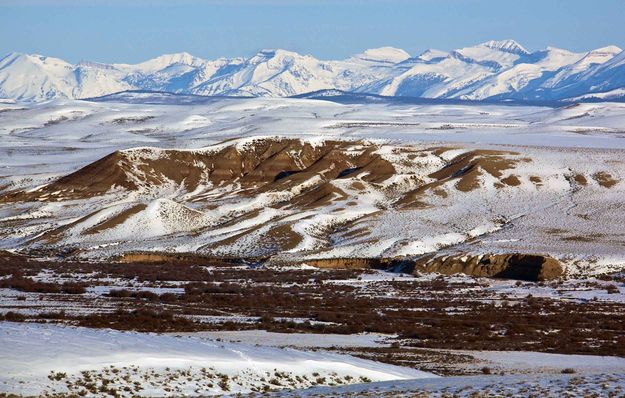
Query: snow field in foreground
(39, 358)
(544, 386)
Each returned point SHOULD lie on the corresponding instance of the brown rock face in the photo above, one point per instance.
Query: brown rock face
(175, 259)
(465, 170)
(528, 267)
(263, 165)
(347, 263)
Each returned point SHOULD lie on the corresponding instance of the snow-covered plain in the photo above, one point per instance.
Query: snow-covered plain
(548, 211)
(295, 340)
(554, 386)
(39, 359)
(164, 365)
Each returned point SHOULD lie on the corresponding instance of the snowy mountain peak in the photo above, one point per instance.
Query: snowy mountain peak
(384, 54)
(278, 52)
(35, 59)
(598, 56)
(552, 49)
(94, 65)
(607, 50)
(166, 60)
(180, 58)
(432, 54)
(509, 46)
(267, 54)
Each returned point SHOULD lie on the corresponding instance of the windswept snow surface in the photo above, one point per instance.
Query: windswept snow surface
(297, 340)
(544, 386)
(31, 352)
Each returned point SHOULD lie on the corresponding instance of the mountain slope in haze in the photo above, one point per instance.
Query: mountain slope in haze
(490, 70)
(34, 77)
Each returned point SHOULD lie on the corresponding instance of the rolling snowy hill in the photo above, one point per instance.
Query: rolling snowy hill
(492, 70)
(317, 180)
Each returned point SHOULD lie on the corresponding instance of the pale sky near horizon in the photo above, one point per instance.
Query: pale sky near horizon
(135, 30)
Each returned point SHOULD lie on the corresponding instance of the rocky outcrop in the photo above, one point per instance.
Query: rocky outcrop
(178, 258)
(466, 171)
(530, 267)
(261, 165)
(347, 263)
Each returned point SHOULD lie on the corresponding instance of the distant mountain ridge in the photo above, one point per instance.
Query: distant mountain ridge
(493, 70)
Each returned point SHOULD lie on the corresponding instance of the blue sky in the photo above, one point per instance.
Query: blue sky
(136, 30)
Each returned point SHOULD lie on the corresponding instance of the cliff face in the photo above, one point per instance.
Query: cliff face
(529, 267)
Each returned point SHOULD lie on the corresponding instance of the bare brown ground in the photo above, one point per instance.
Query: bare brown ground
(536, 180)
(604, 179)
(267, 164)
(465, 171)
(511, 180)
(580, 179)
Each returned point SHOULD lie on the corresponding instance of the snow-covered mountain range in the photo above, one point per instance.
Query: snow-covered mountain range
(495, 70)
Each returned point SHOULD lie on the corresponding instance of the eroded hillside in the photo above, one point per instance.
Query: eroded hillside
(293, 200)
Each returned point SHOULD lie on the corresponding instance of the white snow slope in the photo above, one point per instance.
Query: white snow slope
(164, 365)
(494, 69)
